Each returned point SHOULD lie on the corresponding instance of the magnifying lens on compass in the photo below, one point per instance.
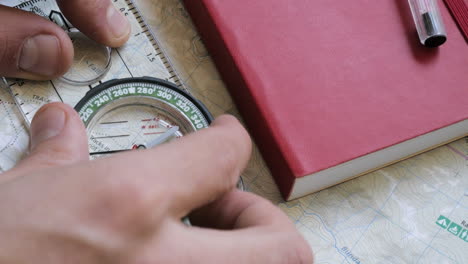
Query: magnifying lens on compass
(91, 60)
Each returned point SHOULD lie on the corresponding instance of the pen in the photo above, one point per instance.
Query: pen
(428, 22)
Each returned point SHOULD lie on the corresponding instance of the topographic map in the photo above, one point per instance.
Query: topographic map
(415, 211)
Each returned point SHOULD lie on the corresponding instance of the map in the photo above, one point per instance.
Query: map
(415, 211)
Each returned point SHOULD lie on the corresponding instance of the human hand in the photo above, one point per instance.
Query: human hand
(58, 207)
(32, 47)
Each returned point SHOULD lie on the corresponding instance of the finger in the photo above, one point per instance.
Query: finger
(258, 226)
(58, 137)
(250, 246)
(237, 210)
(32, 47)
(192, 171)
(266, 236)
(98, 19)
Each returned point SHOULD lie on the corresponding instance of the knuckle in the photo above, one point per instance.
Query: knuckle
(3, 46)
(124, 205)
(227, 157)
(233, 145)
(293, 249)
(300, 252)
(91, 6)
(96, 6)
(8, 52)
(232, 124)
(52, 155)
(304, 254)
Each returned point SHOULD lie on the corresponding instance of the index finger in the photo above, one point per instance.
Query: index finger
(98, 19)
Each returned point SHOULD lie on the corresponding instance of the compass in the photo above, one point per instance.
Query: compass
(137, 113)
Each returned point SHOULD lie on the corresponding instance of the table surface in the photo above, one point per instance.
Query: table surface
(388, 216)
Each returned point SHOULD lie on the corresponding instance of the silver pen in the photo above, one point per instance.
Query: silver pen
(429, 24)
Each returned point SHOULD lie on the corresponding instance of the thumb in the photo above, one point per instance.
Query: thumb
(58, 137)
(32, 47)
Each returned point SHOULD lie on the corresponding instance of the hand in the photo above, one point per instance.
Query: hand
(58, 207)
(32, 47)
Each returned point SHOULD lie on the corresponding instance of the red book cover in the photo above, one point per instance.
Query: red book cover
(334, 89)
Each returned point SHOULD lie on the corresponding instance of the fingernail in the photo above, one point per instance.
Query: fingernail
(47, 124)
(118, 24)
(40, 55)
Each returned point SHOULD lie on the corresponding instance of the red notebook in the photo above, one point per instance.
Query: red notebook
(334, 89)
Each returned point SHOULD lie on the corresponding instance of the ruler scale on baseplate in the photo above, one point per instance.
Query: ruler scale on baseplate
(141, 56)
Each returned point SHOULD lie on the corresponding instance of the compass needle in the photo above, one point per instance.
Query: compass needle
(164, 137)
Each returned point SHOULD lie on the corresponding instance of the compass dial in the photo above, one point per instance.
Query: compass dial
(136, 113)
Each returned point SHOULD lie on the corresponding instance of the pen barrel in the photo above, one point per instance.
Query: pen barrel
(429, 24)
